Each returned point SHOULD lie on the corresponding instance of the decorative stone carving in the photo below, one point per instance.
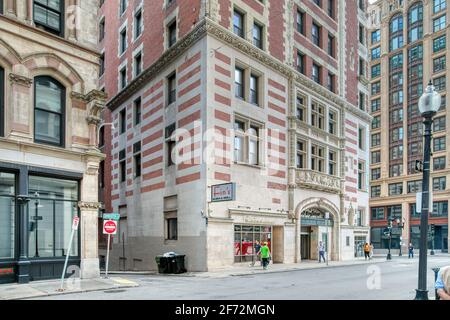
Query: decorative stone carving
(21, 80)
(318, 181)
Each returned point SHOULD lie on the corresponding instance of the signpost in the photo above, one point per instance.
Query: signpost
(109, 228)
(75, 225)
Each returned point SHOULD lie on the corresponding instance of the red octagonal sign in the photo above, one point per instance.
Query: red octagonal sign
(109, 227)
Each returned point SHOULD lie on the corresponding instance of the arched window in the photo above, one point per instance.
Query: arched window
(49, 111)
(415, 22)
(2, 102)
(49, 15)
(396, 33)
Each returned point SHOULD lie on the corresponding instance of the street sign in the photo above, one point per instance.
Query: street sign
(223, 192)
(37, 218)
(75, 223)
(109, 227)
(111, 216)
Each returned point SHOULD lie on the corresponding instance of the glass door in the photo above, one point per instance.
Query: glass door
(7, 215)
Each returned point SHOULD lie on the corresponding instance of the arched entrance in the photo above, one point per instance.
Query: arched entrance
(317, 220)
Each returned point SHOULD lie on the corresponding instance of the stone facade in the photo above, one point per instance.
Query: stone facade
(273, 193)
(70, 58)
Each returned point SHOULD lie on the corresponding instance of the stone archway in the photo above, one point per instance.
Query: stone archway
(322, 205)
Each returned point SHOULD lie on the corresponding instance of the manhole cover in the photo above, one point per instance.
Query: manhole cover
(115, 291)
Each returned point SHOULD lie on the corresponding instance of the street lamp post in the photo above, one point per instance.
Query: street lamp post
(429, 104)
(432, 240)
(389, 256)
(401, 226)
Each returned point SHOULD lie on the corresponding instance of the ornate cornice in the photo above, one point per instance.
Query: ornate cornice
(93, 120)
(18, 79)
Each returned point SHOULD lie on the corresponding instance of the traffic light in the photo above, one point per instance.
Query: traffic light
(432, 229)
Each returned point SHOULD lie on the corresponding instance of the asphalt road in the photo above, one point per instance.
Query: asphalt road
(394, 280)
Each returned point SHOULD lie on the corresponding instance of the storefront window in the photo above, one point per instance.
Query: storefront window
(52, 207)
(7, 215)
(245, 239)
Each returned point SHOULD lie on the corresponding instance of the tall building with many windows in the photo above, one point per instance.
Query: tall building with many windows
(49, 111)
(408, 45)
(236, 121)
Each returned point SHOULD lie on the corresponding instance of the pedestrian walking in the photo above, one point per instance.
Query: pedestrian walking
(366, 251)
(321, 252)
(257, 251)
(443, 283)
(371, 250)
(410, 251)
(265, 255)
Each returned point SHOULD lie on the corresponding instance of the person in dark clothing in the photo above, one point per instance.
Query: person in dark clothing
(410, 251)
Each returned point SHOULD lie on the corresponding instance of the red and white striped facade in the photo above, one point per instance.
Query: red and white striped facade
(275, 192)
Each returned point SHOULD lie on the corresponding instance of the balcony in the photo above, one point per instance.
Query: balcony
(318, 181)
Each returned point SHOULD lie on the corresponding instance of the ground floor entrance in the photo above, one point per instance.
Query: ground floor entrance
(359, 246)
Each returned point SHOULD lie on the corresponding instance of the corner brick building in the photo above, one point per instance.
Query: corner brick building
(264, 98)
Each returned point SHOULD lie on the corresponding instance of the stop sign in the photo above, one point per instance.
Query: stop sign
(109, 227)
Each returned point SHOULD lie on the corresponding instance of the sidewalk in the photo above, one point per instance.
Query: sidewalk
(244, 269)
(50, 288)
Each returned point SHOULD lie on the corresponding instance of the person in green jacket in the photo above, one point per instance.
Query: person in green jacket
(265, 255)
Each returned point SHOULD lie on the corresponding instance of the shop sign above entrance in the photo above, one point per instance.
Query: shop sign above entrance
(223, 192)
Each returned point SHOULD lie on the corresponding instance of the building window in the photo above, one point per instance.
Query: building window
(257, 35)
(2, 102)
(137, 111)
(439, 64)
(439, 23)
(439, 184)
(317, 158)
(49, 15)
(101, 30)
(439, 144)
(170, 143)
(439, 163)
(376, 71)
(396, 62)
(331, 8)
(395, 170)
(301, 109)
(137, 159)
(395, 189)
(138, 24)
(172, 33)
(330, 82)
(171, 217)
(247, 142)
(376, 36)
(378, 214)
(376, 122)
(301, 63)
(123, 120)
(123, 78)
(440, 209)
(362, 101)
(376, 53)
(300, 22)
(123, 6)
(375, 192)
(254, 92)
(332, 122)
(52, 207)
(172, 89)
(332, 163)
(122, 166)
(439, 124)
(439, 5)
(315, 34)
(361, 138)
(396, 135)
(375, 157)
(376, 174)
(238, 24)
(375, 105)
(376, 140)
(123, 41)
(49, 111)
(439, 43)
(138, 64)
(239, 82)
(396, 153)
(439, 83)
(376, 88)
(414, 186)
(301, 154)
(361, 34)
(316, 70)
(102, 65)
(317, 115)
(361, 176)
(331, 45)
(395, 212)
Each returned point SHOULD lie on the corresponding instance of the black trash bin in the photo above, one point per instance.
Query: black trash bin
(177, 263)
(163, 264)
